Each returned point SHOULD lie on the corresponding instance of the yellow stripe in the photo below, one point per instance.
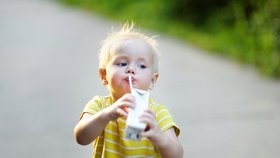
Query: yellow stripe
(169, 125)
(162, 119)
(128, 153)
(113, 123)
(111, 132)
(160, 111)
(125, 142)
(91, 111)
(130, 148)
(121, 123)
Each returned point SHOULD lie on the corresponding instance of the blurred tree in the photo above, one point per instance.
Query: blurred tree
(196, 11)
(247, 30)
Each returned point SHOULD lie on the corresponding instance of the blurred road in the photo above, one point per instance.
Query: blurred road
(48, 70)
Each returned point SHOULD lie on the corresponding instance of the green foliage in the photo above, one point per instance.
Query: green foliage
(258, 35)
(246, 30)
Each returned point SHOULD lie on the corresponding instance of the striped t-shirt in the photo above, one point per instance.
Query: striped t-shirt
(112, 143)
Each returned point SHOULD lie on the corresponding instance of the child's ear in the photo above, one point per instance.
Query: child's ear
(102, 75)
(153, 81)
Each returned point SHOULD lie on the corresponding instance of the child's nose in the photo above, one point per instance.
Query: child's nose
(130, 70)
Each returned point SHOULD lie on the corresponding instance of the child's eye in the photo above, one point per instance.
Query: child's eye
(122, 64)
(142, 66)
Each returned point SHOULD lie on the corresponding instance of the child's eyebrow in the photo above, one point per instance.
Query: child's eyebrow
(121, 57)
(145, 59)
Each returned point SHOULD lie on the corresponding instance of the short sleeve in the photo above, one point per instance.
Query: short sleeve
(93, 106)
(165, 119)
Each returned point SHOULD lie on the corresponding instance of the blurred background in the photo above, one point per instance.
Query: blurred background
(219, 73)
(245, 30)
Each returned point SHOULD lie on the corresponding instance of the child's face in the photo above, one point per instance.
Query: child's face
(130, 57)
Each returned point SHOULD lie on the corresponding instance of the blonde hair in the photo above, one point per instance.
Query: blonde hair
(126, 33)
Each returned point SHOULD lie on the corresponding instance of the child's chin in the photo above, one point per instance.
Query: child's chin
(123, 93)
(126, 90)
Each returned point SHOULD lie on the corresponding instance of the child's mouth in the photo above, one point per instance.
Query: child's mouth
(132, 79)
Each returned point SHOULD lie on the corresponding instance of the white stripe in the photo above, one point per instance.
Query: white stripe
(168, 116)
(111, 132)
(115, 152)
(111, 141)
(129, 148)
(122, 129)
(162, 110)
(112, 151)
(94, 104)
(113, 123)
(167, 125)
(122, 120)
(91, 110)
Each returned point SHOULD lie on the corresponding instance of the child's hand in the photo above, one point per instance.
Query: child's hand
(153, 132)
(120, 107)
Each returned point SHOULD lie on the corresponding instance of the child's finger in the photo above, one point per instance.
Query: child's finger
(149, 134)
(127, 104)
(128, 97)
(147, 117)
(127, 100)
(146, 134)
(121, 113)
(149, 121)
(148, 114)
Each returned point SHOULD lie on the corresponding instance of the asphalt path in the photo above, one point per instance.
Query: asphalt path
(48, 69)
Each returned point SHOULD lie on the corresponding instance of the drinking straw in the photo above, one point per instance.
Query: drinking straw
(130, 83)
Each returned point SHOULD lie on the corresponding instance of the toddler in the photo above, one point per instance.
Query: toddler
(103, 121)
